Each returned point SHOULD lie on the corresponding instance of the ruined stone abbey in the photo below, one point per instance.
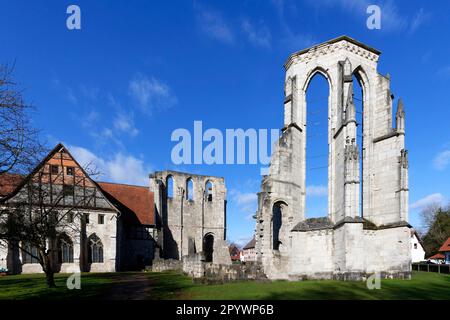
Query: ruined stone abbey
(352, 240)
(179, 220)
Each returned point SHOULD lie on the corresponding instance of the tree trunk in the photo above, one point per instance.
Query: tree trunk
(49, 272)
(49, 275)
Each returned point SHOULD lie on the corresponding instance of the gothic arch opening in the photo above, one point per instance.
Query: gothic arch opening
(169, 186)
(277, 222)
(208, 247)
(358, 100)
(65, 249)
(189, 190)
(209, 191)
(317, 145)
(95, 249)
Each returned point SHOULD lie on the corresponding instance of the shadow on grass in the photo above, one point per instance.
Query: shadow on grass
(34, 287)
(172, 285)
(169, 285)
(422, 286)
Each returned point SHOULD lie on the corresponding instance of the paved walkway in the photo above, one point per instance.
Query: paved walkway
(130, 287)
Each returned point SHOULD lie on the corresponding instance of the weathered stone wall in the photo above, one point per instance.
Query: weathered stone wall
(160, 265)
(350, 252)
(218, 273)
(187, 219)
(105, 232)
(342, 248)
(194, 266)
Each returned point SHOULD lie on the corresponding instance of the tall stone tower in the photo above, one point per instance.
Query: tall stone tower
(352, 240)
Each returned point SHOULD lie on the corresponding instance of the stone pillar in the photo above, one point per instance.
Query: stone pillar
(403, 185)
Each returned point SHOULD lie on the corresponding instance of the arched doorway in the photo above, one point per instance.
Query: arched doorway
(208, 247)
(277, 222)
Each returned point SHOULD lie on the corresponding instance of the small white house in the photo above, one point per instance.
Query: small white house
(417, 249)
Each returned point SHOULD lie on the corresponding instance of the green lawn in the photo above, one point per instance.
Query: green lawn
(169, 285)
(422, 286)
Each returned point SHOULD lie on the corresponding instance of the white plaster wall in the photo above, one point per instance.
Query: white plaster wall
(417, 254)
(3, 254)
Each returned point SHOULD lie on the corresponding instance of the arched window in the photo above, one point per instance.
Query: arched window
(95, 249)
(208, 247)
(277, 216)
(169, 186)
(65, 249)
(358, 100)
(317, 148)
(30, 253)
(189, 190)
(209, 191)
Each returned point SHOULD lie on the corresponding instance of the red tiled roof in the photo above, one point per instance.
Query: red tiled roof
(437, 256)
(446, 246)
(139, 200)
(251, 244)
(9, 182)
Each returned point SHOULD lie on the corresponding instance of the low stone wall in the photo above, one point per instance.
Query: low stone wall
(160, 265)
(193, 265)
(207, 272)
(218, 273)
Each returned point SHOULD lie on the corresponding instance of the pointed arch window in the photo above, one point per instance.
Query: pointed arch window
(169, 187)
(209, 191)
(189, 189)
(95, 249)
(30, 254)
(65, 249)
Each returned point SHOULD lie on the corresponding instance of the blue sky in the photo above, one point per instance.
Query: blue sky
(115, 90)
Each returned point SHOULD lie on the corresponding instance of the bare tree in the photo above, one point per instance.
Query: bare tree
(19, 144)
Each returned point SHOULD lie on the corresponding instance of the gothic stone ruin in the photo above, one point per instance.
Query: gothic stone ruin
(353, 240)
(191, 211)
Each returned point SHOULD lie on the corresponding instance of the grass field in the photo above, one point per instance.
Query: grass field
(170, 285)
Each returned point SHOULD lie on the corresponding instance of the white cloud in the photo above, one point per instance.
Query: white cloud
(91, 93)
(316, 191)
(290, 39)
(125, 123)
(257, 36)
(444, 71)
(432, 199)
(71, 96)
(213, 25)
(442, 160)
(244, 198)
(391, 17)
(245, 202)
(121, 168)
(151, 94)
(420, 18)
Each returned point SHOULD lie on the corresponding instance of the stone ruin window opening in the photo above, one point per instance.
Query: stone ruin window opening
(358, 100)
(317, 146)
(169, 186)
(277, 220)
(208, 247)
(209, 191)
(189, 190)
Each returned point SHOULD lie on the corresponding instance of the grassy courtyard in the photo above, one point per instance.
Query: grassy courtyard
(170, 285)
